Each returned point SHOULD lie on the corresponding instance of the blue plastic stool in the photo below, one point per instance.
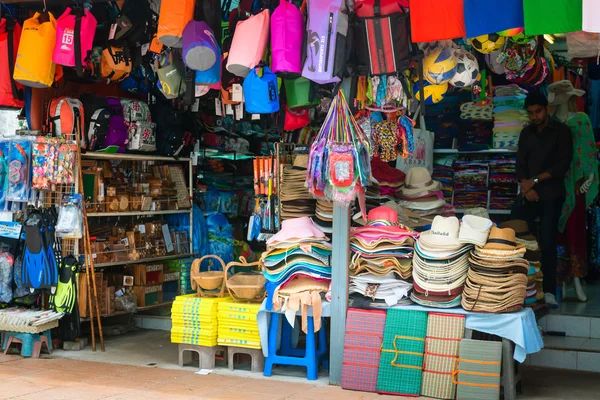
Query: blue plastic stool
(27, 339)
(308, 358)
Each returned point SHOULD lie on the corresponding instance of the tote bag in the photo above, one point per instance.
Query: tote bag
(423, 154)
(249, 44)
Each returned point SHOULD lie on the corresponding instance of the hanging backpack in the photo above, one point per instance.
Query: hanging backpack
(117, 136)
(383, 41)
(116, 63)
(201, 51)
(172, 20)
(366, 8)
(171, 74)
(140, 80)
(249, 44)
(65, 118)
(287, 34)
(75, 31)
(172, 139)
(326, 41)
(141, 129)
(135, 27)
(260, 93)
(11, 92)
(96, 120)
(34, 66)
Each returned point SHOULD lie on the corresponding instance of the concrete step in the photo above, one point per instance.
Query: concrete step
(153, 322)
(571, 325)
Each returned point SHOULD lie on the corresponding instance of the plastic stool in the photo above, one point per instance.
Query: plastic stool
(7, 334)
(258, 359)
(38, 344)
(206, 354)
(308, 358)
(25, 339)
(286, 348)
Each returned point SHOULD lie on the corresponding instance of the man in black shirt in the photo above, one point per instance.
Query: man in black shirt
(543, 158)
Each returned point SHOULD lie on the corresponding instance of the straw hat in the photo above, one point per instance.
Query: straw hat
(502, 239)
(474, 230)
(418, 183)
(301, 161)
(297, 229)
(520, 227)
(443, 233)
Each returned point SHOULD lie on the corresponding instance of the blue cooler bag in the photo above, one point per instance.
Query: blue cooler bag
(261, 93)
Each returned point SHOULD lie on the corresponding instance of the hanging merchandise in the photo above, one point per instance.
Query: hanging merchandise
(65, 298)
(295, 119)
(209, 79)
(383, 38)
(135, 28)
(171, 74)
(4, 160)
(260, 92)
(116, 63)
(43, 162)
(140, 80)
(249, 44)
(117, 136)
(556, 16)
(439, 65)
(70, 218)
(287, 35)
(326, 41)
(75, 30)
(11, 92)
(172, 139)
(200, 48)
(433, 93)
(487, 43)
(492, 16)
(39, 269)
(65, 166)
(583, 44)
(433, 20)
(9, 243)
(142, 135)
(368, 8)
(18, 170)
(301, 92)
(65, 118)
(172, 20)
(34, 66)
(467, 69)
(96, 120)
(591, 10)
(339, 166)
(422, 156)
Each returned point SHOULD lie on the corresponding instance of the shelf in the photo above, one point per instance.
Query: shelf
(146, 308)
(497, 212)
(142, 261)
(489, 151)
(137, 213)
(133, 157)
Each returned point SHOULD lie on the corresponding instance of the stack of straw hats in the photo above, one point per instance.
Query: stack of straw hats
(381, 257)
(297, 266)
(421, 194)
(324, 215)
(441, 263)
(389, 178)
(497, 278)
(295, 201)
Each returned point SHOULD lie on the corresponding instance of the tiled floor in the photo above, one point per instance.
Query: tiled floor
(571, 306)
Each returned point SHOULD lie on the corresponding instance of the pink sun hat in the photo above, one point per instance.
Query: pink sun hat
(301, 229)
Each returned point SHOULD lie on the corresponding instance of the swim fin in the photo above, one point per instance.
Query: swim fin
(65, 298)
(35, 267)
(49, 218)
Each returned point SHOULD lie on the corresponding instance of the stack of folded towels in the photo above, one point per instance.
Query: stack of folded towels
(509, 115)
(441, 263)
(297, 266)
(381, 258)
(497, 278)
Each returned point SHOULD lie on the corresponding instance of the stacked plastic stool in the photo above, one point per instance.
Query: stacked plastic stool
(311, 357)
(31, 343)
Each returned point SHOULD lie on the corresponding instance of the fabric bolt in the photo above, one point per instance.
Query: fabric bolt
(433, 20)
(591, 11)
(552, 16)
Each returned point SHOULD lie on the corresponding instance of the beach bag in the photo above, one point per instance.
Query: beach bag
(135, 26)
(287, 34)
(142, 136)
(248, 44)
(34, 66)
(65, 118)
(260, 93)
(172, 20)
(117, 134)
(200, 48)
(295, 119)
(75, 31)
(11, 92)
(383, 42)
(171, 75)
(116, 63)
(326, 41)
(301, 93)
(422, 156)
(172, 139)
(140, 80)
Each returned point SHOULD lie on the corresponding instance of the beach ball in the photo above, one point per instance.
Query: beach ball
(511, 32)
(433, 93)
(487, 43)
(439, 65)
(467, 69)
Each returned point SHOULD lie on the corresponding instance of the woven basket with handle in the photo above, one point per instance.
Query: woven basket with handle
(209, 283)
(245, 286)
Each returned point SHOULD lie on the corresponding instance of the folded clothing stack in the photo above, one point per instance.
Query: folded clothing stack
(497, 278)
(295, 201)
(503, 182)
(470, 182)
(297, 266)
(194, 320)
(381, 257)
(509, 115)
(443, 172)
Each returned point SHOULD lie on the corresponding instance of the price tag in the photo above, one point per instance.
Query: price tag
(196, 105)
(113, 30)
(255, 117)
(228, 109)
(145, 48)
(237, 93)
(142, 228)
(239, 111)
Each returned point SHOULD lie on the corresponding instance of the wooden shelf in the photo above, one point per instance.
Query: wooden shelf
(137, 213)
(142, 261)
(133, 157)
(488, 151)
(146, 308)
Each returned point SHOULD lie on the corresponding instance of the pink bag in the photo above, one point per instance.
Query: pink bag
(75, 31)
(249, 44)
(287, 33)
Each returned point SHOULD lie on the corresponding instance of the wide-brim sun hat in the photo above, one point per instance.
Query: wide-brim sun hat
(520, 227)
(297, 229)
(443, 233)
(474, 230)
(561, 92)
(502, 239)
(418, 183)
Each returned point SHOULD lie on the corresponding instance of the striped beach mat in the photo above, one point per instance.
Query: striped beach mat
(401, 363)
(444, 334)
(362, 348)
(477, 373)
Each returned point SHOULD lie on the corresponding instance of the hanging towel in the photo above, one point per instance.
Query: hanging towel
(483, 17)
(433, 20)
(552, 16)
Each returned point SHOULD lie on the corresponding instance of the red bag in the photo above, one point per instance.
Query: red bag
(11, 92)
(366, 8)
(295, 119)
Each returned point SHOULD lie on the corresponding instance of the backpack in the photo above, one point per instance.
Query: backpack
(116, 63)
(34, 66)
(75, 31)
(249, 43)
(287, 34)
(172, 139)
(135, 27)
(141, 130)
(172, 20)
(11, 93)
(65, 118)
(326, 41)
(117, 134)
(140, 80)
(96, 120)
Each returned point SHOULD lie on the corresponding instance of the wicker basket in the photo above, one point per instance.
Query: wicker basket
(245, 286)
(209, 283)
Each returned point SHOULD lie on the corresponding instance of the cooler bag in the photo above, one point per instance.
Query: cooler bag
(11, 93)
(260, 93)
(287, 34)
(326, 41)
(172, 20)
(75, 31)
(200, 48)
(249, 44)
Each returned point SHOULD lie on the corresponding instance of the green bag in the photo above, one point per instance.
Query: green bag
(301, 93)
